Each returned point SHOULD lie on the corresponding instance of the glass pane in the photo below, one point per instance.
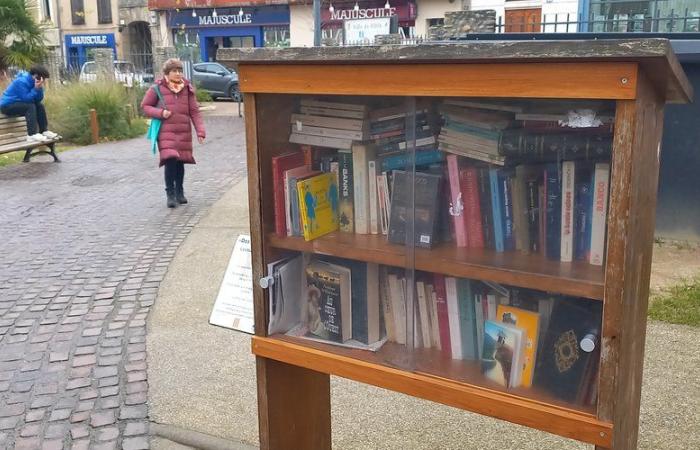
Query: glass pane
(461, 237)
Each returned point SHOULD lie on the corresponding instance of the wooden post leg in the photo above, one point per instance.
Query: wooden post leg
(294, 407)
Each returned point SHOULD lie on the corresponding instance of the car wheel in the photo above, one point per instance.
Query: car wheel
(235, 94)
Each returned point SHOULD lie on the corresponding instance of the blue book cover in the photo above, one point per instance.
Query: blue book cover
(467, 319)
(583, 208)
(506, 194)
(496, 210)
(468, 129)
(553, 211)
(423, 158)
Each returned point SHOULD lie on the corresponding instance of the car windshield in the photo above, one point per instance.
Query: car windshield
(124, 67)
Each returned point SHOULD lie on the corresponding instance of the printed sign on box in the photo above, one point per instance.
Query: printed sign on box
(365, 30)
(234, 304)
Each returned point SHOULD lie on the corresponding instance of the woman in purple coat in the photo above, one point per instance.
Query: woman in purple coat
(175, 137)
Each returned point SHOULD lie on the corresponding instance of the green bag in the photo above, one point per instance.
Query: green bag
(154, 128)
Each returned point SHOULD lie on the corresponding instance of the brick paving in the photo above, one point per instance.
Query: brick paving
(84, 245)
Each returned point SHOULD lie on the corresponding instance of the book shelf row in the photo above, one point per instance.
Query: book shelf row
(498, 335)
(500, 190)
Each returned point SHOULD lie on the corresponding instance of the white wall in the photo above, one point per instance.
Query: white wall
(301, 26)
(552, 10)
(433, 9)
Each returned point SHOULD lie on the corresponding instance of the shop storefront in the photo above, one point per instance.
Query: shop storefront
(664, 16)
(205, 30)
(80, 46)
(336, 14)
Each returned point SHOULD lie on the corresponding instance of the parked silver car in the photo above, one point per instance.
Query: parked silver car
(216, 79)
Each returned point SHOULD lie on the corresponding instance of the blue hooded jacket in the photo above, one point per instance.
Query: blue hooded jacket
(22, 90)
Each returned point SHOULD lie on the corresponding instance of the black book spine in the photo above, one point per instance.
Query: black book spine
(485, 203)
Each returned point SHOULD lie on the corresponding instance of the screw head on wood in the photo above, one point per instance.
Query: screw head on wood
(624, 80)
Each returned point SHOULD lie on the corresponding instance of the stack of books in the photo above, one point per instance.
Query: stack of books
(329, 124)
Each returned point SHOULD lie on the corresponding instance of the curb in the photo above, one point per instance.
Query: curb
(196, 439)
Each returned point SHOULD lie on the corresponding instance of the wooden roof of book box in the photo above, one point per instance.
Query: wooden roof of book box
(655, 56)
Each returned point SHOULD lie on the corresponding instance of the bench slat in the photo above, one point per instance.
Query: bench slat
(13, 129)
(8, 120)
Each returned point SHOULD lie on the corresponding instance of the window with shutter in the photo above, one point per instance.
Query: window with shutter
(77, 11)
(104, 11)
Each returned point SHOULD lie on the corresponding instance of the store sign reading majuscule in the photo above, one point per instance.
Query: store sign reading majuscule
(226, 19)
(369, 13)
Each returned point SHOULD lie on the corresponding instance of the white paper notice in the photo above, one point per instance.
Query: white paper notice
(234, 304)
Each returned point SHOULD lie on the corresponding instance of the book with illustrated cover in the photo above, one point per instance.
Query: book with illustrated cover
(425, 207)
(502, 354)
(318, 201)
(327, 310)
(529, 321)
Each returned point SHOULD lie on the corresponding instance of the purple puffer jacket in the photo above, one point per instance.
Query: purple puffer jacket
(175, 137)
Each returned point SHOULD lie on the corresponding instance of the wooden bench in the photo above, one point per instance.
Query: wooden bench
(13, 138)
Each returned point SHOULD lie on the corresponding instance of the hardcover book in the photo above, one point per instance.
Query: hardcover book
(327, 310)
(318, 200)
(425, 203)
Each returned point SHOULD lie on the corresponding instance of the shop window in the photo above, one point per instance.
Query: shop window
(436, 21)
(46, 9)
(104, 11)
(276, 36)
(77, 12)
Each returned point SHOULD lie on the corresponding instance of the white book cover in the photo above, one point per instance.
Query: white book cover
(568, 170)
(453, 317)
(373, 201)
(387, 201)
(385, 298)
(383, 224)
(434, 325)
(492, 306)
(361, 155)
(426, 328)
(479, 310)
(398, 305)
(601, 185)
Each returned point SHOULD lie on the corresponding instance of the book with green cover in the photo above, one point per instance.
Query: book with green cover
(318, 202)
(346, 194)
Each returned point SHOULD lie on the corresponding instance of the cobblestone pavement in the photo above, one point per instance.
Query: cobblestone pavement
(84, 245)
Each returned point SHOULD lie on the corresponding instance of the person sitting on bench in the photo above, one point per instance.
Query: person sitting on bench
(23, 98)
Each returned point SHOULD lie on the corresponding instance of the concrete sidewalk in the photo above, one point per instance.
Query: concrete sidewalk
(203, 378)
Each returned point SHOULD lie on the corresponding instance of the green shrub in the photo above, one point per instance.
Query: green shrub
(68, 110)
(202, 95)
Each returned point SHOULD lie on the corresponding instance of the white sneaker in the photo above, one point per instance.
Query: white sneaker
(51, 134)
(37, 138)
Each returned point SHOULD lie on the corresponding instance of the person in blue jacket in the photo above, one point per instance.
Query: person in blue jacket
(23, 98)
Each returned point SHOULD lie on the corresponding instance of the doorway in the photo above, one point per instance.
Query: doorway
(523, 20)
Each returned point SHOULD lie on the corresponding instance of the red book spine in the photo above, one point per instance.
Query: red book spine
(279, 165)
(469, 185)
(457, 203)
(443, 319)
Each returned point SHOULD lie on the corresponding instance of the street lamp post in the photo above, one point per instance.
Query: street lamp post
(317, 23)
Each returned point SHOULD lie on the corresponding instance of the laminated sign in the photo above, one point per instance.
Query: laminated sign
(234, 304)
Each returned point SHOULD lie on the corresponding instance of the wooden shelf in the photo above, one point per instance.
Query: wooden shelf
(513, 268)
(440, 379)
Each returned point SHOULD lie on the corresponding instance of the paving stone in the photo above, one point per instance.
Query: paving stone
(111, 351)
(84, 360)
(135, 428)
(52, 445)
(56, 430)
(109, 381)
(31, 430)
(22, 387)
(50, 388)
(139, 386)
(11, 410)
(82, 444)
(133, 412)
(78, 383)
(109, 360)
(136, 399)
(80, 416)
(59, 414)
(135, 443)
(109, 391)
(135, 366)
(42, 401)
(33, 443)
(86, 405)
(81, 372)
(103, 418)
(107, 371)
(87, 350)
(92, 331)
(136, 376)
(88, 394)
(105, 446)
(8, 423)
(79, 431)
(107, 433)
(34, 415)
